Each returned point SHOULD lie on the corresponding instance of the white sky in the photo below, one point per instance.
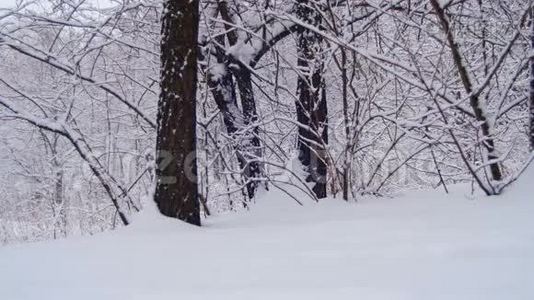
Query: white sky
(11, 3)
(7, 3)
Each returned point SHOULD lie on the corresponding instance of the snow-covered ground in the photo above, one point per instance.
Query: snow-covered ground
(423, 245)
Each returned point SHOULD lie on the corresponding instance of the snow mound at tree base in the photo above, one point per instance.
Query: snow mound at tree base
(423, 245)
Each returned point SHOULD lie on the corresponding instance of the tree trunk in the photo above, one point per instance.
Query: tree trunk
(176, 189)
(61, 209)
(59, 204)
(237, 121)
(346, 122)
(250, 141)
(223, 88)
(474, 99)
(312, 114)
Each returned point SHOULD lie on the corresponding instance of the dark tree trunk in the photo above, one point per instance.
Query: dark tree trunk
(346, 122)
(312, 114)
(223, 90)
(176, 190)
(250, 141)
(239, 123)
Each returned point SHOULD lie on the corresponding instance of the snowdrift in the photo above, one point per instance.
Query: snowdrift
(423, 245)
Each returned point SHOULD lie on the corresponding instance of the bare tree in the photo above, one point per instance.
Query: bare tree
(474, 96)
(311, 107)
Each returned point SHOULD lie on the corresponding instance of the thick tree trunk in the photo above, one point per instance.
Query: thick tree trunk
(312, 114)
(176, 190)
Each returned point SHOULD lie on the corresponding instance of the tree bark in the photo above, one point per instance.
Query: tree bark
(239, 122)
(250, 140)
(311, 107)
(346, 122)
(222, 87)
(176, 189)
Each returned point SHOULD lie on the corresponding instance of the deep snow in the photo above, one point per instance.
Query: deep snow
(423, 245)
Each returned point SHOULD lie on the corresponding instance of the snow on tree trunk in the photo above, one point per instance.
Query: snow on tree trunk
(250, 141)
(474, 99)
(311, 105)
(176, 190)
(237, 122)
(222, 87)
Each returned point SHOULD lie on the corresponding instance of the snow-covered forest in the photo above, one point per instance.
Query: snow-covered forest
(256, 110)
